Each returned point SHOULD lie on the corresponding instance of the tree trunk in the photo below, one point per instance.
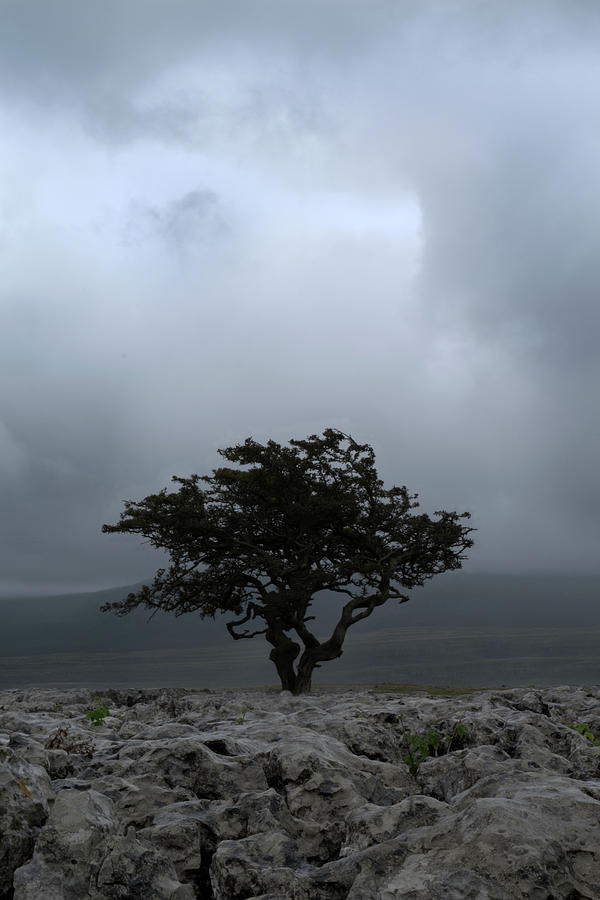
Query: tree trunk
(285, 650)
(283, 654)
(309, 661)
(303, 683)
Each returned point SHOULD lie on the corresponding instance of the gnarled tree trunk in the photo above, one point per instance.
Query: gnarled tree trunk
(283, 654)
(285, 650)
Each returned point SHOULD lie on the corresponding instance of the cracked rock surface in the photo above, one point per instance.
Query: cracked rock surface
(256, 795)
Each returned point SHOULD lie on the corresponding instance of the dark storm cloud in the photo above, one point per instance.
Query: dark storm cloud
(230, 219)
(510, 210)
(73, 45)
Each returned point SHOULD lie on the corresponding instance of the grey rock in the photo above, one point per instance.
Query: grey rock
(135, 870)
(221, 794)
(80, 853)
(69, 848)
(25, 792)
(372, 824)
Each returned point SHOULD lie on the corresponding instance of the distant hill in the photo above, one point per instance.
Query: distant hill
(73, 622)
(485, 599)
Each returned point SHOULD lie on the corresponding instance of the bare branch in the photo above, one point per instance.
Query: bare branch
(251, 613)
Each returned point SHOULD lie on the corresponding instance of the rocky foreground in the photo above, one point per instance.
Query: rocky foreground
(263, 796)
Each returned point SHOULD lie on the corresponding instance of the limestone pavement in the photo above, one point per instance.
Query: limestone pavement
(259, 795)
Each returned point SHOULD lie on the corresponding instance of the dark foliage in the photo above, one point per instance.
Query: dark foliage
(260, 540)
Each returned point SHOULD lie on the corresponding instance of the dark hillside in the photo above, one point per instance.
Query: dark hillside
(458, 599)
(73, 622)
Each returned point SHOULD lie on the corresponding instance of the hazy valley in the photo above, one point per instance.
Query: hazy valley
(467, 629)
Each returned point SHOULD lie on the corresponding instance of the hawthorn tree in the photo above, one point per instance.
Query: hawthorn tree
(261, 539)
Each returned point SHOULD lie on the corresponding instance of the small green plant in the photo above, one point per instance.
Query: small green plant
(584, 729)
(98, 713)
(245, 708)
(419, 747)
(435, 742)
(58, 707)
(459, 737)
(417, 750)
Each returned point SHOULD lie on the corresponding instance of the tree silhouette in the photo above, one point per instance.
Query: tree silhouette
(261, 539)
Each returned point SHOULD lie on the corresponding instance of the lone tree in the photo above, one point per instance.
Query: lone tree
(261, 541)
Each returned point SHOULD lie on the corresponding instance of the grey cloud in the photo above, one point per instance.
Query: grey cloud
(125, 43)
(183, 224)
(466, 353)
(508, 242)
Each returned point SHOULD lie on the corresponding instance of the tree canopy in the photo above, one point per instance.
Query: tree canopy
(261, 539)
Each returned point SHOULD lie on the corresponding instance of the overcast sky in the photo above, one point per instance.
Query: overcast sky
(266, 218)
